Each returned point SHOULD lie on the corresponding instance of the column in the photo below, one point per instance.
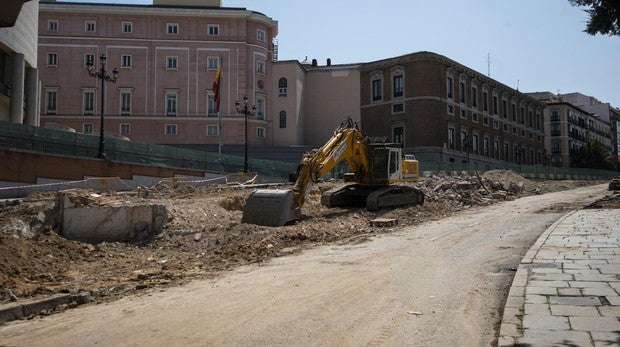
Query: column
(31, 116)
(17, 88)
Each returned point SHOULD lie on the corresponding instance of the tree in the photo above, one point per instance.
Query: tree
(604, 16)
(593, 155)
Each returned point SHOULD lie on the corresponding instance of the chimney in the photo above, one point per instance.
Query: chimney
(314, 62)
(329, 62)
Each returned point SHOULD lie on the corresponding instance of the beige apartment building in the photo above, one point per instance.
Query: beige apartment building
(568, 127)
(443, 111)
(167, 56)
(18, 62)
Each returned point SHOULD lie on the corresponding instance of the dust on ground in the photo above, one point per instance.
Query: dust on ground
(204, 235)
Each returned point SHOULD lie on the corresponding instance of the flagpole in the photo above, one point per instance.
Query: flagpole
(219, 132)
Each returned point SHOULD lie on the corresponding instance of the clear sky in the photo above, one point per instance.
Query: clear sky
(535, 45)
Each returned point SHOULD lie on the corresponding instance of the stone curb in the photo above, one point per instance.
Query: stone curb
(512, 315)
(19, 310)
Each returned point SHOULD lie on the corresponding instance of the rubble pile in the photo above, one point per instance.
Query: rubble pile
(468, 189)
(204, 234)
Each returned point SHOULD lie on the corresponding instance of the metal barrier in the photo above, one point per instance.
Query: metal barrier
(43, 140)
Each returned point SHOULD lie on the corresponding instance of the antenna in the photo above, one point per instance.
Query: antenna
(517, 85)
(489, 64)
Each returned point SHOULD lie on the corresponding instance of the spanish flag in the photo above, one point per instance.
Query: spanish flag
(216, 88)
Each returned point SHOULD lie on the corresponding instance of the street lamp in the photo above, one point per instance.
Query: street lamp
(246, 113)
(104, 77)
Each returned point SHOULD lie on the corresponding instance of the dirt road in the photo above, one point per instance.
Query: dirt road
(437, 284)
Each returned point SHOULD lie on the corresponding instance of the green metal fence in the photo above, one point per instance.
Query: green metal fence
(58, 142)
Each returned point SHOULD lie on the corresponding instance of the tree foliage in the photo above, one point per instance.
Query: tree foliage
(604, 16)
(593, 155)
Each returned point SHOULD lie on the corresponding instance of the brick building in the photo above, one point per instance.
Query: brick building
(443, 111)
(167, 55)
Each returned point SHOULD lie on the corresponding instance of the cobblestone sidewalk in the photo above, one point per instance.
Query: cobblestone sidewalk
(566, 289)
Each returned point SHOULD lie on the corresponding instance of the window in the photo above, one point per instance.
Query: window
(451, 138)
(485, 120)
(496, 149)
(495, 105)
(170, 129)
(282, 119)
(555, 115)
(282, 87)
(377, 90)
(398, 134)
(260, 35)
(485, 147)
(398, 108)
(522, 114)
(474, 117)
(506, 127)
(474, 143)
(51, 100)
(464, 140)
(398, 86)
(125, 60)
(87, 128)
(52, 25)
(506, 151)
(514, 112)
(505, 108)
(124, 128)
(530, 118)
(172, 63)
(211, 106)
(260, 132)
(125, 99)
(213, 130)
(89, 26)
(89, 59)
(172, 28)
(474, 97)
(450, 109)
(88, 102)
(495, 124)
(260, 108)
(260, 66)
(449, 87)
(463, 114)
(213, 30)
(485, 101)
(462, 91)
(171, 104)
(52, 59)
(213, 63)
(127, 27)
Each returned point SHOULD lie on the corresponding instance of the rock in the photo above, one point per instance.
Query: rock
(198, 237)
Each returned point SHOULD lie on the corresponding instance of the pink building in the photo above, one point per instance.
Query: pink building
(167, 57)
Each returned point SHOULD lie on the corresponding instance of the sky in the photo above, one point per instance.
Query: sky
(532, 45)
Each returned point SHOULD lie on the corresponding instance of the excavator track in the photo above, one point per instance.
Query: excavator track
(373, 197)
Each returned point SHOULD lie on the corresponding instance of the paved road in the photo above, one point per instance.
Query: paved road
(438, 284)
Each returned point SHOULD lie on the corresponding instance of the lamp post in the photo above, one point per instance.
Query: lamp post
(246, 113)
(104, 77)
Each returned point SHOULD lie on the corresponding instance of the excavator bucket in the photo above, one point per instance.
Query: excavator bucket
(271, 207)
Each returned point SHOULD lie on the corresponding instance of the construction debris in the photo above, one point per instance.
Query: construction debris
(203, 233)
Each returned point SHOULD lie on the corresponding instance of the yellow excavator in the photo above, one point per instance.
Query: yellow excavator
(374, 168)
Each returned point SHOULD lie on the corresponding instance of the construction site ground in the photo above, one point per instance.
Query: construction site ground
(204, 236)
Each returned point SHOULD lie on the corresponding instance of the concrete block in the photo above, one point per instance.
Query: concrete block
(536, 309)
(545, 322)
(111, 222)
(11, 312)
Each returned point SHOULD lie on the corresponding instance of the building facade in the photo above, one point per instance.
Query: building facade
(568, 127)
(312, 100)
(603, 110)
(442, 111)
(167, 55)
(19, 81)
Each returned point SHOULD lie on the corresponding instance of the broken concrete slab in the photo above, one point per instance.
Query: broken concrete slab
(110, 221)
(19, 310)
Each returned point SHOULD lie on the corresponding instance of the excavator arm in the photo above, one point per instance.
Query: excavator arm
(347, 143)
